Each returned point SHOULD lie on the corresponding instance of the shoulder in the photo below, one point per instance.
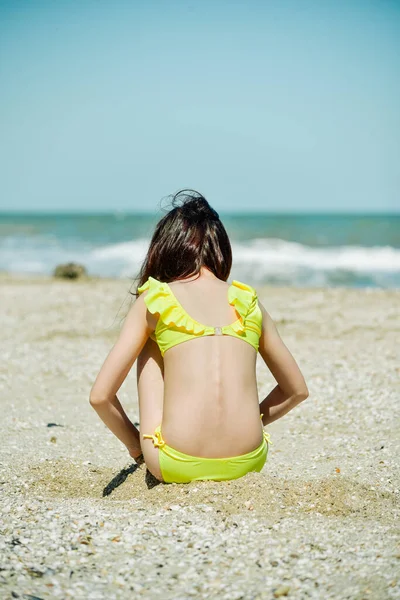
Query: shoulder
(243, 289)
(154, 294)
(149, 287)
(242, 286)
(240, 291)
(141, 300)
(143, 306)
(145, 286)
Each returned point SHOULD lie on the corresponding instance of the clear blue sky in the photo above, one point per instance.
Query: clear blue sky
(269, 105)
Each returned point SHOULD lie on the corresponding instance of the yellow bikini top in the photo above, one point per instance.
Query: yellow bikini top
(175, 326)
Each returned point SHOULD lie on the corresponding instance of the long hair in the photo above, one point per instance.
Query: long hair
(190, 236)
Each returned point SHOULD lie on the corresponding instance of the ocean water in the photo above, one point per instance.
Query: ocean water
(299, 250)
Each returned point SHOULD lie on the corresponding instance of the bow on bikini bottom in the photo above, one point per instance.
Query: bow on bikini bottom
(178, 467)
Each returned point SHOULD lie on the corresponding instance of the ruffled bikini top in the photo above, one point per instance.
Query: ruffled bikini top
(175, 326)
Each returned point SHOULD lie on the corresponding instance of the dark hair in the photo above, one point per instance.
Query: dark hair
(188, 237)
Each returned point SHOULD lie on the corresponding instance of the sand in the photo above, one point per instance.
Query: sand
(80, 520)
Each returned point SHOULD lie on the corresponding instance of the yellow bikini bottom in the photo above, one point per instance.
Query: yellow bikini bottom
(177, 467)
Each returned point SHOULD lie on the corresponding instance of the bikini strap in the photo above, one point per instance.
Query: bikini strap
(245, 300)
(161, 300)
(156, 437)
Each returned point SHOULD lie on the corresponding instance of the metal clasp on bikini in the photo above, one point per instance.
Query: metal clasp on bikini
(217, 330)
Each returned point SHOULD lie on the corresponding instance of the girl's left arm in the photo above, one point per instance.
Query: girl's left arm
(103, 396)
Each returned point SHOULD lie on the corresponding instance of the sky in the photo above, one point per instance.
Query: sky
(281, 106)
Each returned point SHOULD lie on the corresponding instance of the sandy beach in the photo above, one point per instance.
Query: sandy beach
(80, 520)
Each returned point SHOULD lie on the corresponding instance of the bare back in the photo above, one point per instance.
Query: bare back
(210, 389)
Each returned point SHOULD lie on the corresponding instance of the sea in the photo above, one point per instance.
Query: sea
(277, 249)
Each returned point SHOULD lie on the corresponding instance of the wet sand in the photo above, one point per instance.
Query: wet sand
(79, 519)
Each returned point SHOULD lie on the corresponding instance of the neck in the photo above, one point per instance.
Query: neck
(204, 273)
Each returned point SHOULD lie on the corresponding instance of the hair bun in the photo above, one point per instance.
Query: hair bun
(195, 207)
(199, 210)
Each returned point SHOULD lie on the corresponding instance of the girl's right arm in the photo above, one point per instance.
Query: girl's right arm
(291, 388)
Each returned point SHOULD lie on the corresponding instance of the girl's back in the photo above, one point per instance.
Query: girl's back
(210, 389)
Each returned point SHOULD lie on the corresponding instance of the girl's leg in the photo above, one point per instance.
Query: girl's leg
(150, 382)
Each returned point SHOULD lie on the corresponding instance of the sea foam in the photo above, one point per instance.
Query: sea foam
(261, 260)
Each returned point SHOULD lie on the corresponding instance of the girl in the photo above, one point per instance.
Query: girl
(196, 338)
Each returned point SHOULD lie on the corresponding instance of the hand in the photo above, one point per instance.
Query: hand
(139, 459)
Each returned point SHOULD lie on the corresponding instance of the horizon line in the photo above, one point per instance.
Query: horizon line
(119, 213)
